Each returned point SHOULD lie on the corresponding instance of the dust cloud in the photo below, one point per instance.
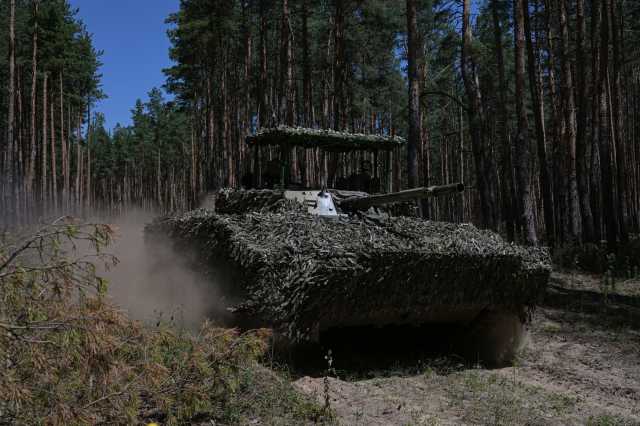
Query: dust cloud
(153, 282)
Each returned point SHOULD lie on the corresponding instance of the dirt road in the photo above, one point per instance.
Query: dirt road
(580, 366)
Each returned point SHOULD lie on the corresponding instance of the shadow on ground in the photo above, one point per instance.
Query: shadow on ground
(612, 310)
(363, 352)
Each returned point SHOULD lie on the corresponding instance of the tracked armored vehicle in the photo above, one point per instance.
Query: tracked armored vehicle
(308, 260)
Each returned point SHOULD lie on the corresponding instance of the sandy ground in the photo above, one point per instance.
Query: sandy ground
(580, 366)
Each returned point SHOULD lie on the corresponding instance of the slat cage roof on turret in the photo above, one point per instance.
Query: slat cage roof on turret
(328, 140)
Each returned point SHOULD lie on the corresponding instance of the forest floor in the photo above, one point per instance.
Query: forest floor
(580, 366)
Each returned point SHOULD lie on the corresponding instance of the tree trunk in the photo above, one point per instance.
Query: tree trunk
(608, 206)
(557, 125)
(338, 66)
(476, 121)
(9, 166)
(503, 128)
(34, 79)
(618, 124)
(54, 169)
(263, 112)
(64, 153)
(307, 93)
(78, 197)
(595, 176)
(582, 175)
(88, 189)
(45, 138)
(570, 119)
(286, 62)
(415, 126)
(538, 110)
(523, 144)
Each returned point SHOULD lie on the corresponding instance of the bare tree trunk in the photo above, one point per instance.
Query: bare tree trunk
(54, 169)
(503, 129)
(557, 126)
(78, 197)
(194, 166)
(523, 144)
(45, 137)
(581, 131)
(307, 93)
(538, 112)
(608, 206)
(9, 166)
(618, 125)
(326, 84)
(161, 206)
(595, 177)
(263, 112)
(34, 79)
(570, 118)
(64, 153)
(415, 126)
(476, 121)
(338, 66)
(286, 63)
(18, 171)
(88, 189)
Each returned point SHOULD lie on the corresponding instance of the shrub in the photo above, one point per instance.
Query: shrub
(70, 357)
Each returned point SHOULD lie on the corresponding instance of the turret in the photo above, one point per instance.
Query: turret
(364, 203)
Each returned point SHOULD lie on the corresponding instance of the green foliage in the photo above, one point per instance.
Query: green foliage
(64, 46)
(597, 258)
(158, 141)
(69, 357)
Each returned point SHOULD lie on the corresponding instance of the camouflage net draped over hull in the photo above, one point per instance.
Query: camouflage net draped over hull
(328, 140)
(230, 201)
(304, 273)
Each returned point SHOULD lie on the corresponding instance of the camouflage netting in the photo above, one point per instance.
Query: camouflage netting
(329, 140)
(230, 201)
(305, 273)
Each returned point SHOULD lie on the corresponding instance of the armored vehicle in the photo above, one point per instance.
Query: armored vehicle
(306, 260)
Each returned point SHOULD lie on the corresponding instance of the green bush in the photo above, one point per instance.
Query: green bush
(70, 357)
(595, 258)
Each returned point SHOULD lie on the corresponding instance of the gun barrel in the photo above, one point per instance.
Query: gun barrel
(363, 203)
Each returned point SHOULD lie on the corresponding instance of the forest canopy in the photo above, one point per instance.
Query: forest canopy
(534, 104)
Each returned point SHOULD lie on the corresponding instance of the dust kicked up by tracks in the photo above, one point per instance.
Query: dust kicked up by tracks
(154, 282)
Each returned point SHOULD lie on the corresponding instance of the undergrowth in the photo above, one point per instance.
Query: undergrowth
(596, 258)
(70, 357)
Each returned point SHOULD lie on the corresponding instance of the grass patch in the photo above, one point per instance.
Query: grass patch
(490, 398)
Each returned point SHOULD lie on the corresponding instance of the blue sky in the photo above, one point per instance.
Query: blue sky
(132, 34)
